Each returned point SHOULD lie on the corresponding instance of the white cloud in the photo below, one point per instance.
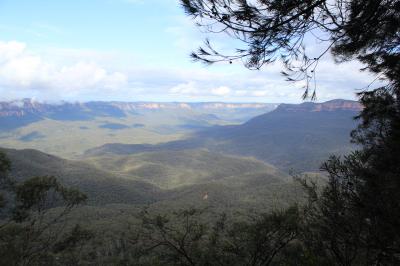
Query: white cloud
(19, 69)
(87, 75)
(241, 92)
(221, 91)
(9, 50)
(68, 74)
(185, 88)
(194, 89)
(259, 93)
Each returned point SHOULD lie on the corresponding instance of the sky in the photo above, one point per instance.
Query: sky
(136, 50)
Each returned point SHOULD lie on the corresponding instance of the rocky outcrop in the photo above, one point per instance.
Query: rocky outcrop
(334, 105)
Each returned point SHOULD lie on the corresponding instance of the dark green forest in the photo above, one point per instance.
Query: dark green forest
(347, 215)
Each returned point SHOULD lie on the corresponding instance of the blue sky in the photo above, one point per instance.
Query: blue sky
(133, 50)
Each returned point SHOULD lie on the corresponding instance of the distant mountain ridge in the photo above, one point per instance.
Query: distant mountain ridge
(333, 105)
(19, 113)
(298, 136)
(295, 136)
(24, 107)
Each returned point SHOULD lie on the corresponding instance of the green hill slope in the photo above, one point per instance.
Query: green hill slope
(172, 169)
(100, 186)
(174, 178)
(298, 137)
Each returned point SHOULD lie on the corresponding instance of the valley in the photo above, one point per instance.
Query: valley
(291, 137)
(132, 162)
(69, 129)
(175, 178)
(175, 153)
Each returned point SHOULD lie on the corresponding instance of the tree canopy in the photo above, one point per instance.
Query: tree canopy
(30, 213)
(367, 30)
(354, 219)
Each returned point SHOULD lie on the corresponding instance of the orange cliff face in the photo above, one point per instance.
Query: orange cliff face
(17, 113)
(25, 107)
(19, 108)
(334, 105)
(183, 105)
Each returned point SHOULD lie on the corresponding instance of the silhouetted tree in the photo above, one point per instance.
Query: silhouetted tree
(32, 226)
(354, 220)
(356, 217)
(5, 181)
(367, 30)
(187, 239)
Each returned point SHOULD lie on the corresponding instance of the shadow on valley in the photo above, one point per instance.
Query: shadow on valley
(298, 137)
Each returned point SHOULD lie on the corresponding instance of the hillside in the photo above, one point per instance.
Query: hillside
(180, 178)
(173, 169)
(293, 136)
(101, 187)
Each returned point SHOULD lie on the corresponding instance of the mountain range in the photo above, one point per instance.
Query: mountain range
(298, 137)
(234, 164)
(289, 136)
(14, 114)
(68, 129)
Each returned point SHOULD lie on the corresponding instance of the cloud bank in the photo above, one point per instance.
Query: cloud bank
(25, 73)
(21, 70)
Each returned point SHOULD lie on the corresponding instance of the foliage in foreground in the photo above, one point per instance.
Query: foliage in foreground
(33, 215)
(356, 217)
(268, 30)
